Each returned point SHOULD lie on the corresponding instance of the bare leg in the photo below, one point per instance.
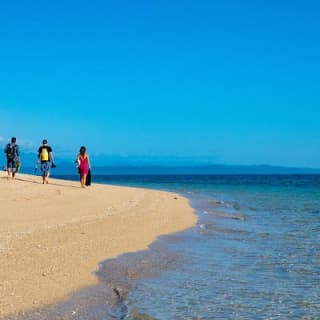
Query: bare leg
(8, 170)
(47, 177)
(83, 181)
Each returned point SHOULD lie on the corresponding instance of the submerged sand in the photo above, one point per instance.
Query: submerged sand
(53, 236)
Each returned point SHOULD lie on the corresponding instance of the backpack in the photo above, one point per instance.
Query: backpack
(88, 178)
(44, 156)
(11, 151)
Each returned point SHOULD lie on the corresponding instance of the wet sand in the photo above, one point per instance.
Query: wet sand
(52, 237)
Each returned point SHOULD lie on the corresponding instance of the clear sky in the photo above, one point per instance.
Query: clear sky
(231, 82)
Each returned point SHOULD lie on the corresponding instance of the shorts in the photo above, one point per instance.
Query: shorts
(11, 164)
(45, 167)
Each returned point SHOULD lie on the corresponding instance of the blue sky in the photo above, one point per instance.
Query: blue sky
(232, 82)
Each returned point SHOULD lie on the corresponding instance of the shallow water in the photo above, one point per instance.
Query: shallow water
(254, 254)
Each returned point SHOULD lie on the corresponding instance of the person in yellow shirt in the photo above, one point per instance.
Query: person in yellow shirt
(45, 158)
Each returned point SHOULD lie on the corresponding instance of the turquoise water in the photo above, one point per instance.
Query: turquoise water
(254, 254)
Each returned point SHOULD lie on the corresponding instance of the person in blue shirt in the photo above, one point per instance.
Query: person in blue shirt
(13, 157)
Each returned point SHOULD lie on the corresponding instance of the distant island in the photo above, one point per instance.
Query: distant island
(156, 165)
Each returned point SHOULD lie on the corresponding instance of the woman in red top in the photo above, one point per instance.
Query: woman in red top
(83, 165)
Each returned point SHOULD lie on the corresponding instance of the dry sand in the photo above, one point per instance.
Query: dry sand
(52, 237)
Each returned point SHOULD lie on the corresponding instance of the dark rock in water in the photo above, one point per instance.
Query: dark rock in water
(241, 217)
(236, 206)
(116, 291)
(216, 202)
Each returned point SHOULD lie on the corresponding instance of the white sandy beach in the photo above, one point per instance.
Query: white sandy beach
(52, 237)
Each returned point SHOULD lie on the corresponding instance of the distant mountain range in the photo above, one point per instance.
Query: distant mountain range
(134, 165)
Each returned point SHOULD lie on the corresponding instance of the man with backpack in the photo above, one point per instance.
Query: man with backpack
(13, 156)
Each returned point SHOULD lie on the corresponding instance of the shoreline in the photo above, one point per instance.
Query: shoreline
(52, 237)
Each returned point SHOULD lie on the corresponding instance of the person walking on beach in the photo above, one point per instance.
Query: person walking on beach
(45, 158)
(83, 163)
(13, 157)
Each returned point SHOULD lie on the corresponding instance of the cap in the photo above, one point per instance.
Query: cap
(44, 141)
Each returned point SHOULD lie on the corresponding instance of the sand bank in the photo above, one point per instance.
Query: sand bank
(52, 237)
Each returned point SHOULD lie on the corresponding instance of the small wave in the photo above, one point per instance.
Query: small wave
(122, 270)
(210, 229)
(219, 214)
(119, 310)
(136, 315)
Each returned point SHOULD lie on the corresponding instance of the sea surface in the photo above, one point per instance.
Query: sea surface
(253, 254)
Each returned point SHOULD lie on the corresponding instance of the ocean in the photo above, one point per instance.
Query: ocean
(253, 254)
